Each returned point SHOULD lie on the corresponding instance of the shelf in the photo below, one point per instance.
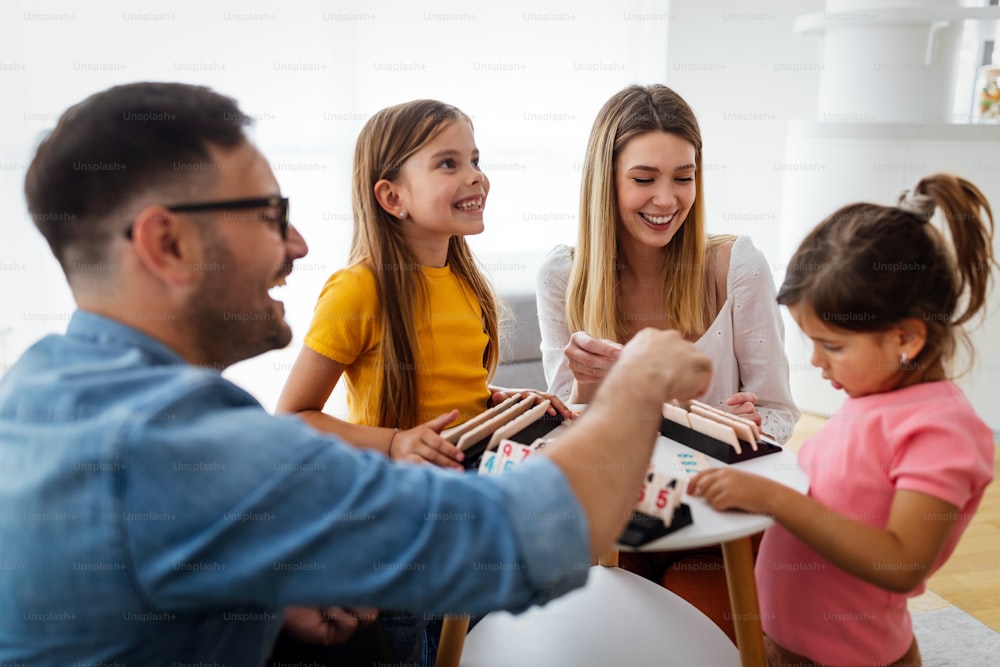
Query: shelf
(817, 24)
(957, 132)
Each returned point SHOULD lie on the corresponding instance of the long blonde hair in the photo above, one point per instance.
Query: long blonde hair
(592, 298)
(386, 141)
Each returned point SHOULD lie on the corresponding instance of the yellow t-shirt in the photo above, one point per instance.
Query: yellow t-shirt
(450, 346)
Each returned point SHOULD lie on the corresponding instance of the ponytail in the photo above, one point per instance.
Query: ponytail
(971, 237)
(869, 267)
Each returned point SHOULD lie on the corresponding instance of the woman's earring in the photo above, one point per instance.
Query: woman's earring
(903, 359)
(402, 215)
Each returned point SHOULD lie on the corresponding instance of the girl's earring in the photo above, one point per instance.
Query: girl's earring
(402, 215)
(903, 359)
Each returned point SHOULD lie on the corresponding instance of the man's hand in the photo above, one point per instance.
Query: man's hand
(663, 361)
(329, 626)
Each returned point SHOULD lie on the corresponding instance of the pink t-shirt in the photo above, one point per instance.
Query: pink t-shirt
(924, 438)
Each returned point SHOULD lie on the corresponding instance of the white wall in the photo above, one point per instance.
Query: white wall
(755, 86)
(747, 75)
(532, 74)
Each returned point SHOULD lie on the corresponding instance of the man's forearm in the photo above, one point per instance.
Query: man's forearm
(605, 454)
(604, 457)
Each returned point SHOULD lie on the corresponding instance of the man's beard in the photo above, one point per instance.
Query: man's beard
(231, 322)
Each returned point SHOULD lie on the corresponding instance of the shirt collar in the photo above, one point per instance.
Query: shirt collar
(91, 326)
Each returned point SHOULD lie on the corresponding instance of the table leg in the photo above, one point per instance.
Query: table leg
(610, 559)
(453, 632)
(738, 556)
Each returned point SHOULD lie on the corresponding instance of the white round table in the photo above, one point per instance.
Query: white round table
(712, 527)
(618, 618)
(733, 531)
(546, 639)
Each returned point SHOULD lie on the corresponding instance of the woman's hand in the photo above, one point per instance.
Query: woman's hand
(501, 394)
(744, 404)
(424, 444)
(328, 626)
(591, 358)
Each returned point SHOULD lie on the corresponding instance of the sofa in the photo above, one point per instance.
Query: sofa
(520, 357)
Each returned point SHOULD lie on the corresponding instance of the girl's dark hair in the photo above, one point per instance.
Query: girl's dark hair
(867, 267)
(115, 145)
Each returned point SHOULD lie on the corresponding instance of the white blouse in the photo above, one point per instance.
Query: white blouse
(746, 341)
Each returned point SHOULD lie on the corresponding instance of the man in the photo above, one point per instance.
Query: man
(151, 512)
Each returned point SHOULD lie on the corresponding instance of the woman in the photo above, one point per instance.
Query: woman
(643, 260)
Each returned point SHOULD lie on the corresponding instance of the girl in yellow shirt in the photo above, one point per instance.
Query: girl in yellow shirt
(412, 322)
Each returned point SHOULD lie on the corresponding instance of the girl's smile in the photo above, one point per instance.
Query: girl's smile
(441, 186)
(472, 204)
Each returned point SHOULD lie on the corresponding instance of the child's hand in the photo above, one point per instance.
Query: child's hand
(591, 358)
(744, 404)
(424, 443)
(501, 395)
(729, 489)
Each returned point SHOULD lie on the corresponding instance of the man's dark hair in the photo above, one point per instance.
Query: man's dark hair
(115, 145)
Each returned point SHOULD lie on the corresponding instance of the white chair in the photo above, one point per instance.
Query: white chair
(618, 618)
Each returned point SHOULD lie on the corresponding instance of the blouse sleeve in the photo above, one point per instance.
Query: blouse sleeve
(552, 281)
(759, 339)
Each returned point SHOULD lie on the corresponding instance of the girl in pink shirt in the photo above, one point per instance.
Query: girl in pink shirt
(898, 472)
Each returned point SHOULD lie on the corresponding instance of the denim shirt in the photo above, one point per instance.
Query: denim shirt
(153, 513)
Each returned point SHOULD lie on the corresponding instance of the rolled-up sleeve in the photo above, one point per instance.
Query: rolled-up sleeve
(228, 505)
(552, 281)
(552, 530)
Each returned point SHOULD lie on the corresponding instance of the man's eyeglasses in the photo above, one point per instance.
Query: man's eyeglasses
(275, 202)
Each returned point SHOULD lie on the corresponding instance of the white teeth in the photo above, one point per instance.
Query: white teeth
(470, 205)
(658, 219)
(280, 282)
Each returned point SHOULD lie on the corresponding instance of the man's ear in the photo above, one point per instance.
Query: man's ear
(387, 195)
(166, 246)
(911, 335)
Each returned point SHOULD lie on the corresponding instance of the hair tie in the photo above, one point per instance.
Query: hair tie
(919, 205)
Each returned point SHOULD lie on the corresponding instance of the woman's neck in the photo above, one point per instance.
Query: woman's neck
(642, 263)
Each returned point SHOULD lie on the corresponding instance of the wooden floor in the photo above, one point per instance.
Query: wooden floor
(970, 579)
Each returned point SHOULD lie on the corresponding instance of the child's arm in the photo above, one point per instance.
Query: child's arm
(310, 384)
(897, 558)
